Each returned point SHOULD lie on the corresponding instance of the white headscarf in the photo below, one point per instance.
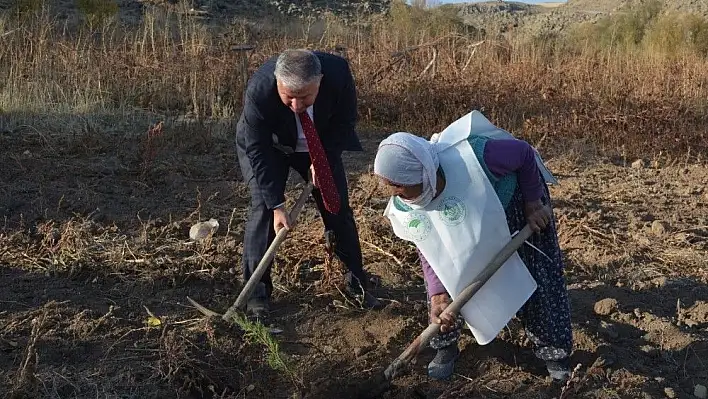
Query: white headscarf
(408, 160)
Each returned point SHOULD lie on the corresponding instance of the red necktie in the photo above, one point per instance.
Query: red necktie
(325, 181)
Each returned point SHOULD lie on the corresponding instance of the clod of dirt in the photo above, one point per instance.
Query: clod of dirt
(638, 164)
(700, 391)
(606, 307)
(649, 350)
(369, 386)
(609, 330)
(359, 351)
(648, 217)
(660, 282)
(669, 392)
(690, 323)
(697, 313)
(659, 228)
(606, 356)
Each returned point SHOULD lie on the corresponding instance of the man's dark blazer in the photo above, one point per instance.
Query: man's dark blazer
(266, 122)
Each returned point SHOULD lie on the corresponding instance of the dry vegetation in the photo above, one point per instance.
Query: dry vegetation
(116, 140)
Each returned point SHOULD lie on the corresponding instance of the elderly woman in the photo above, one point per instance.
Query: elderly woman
(417, 172)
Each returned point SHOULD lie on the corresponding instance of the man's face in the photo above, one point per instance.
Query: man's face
(299, 100)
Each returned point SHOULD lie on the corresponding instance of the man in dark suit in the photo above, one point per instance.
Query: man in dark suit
(275, 133)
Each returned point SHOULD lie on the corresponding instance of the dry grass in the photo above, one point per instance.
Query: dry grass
(60, 81)
(119, 139)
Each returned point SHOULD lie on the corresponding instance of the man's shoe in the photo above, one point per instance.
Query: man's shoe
(258, 308)
(364, 298)
(358, 291)
(370, 302)
(443, 365)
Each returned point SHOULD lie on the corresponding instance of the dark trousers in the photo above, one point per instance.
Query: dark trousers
(259, 228)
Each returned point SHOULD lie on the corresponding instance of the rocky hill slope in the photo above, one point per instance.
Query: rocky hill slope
(492, 16)
(504, 16)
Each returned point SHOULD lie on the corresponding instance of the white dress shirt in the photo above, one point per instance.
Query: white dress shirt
(301, 145)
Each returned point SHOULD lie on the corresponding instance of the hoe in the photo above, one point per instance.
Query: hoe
(381, 382)
(262, 265)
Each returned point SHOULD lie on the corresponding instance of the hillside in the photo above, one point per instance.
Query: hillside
(491, 16)
(496, 16)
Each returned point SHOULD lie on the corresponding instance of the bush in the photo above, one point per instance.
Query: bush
(412, 22)
(644, 27)
(97, 12)
(675, 33)
(23, 7)
(624, 30)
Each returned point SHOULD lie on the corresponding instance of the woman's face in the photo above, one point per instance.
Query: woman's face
(405, 192)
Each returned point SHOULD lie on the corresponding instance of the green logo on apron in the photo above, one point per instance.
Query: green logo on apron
(452, 211)
(418, 225)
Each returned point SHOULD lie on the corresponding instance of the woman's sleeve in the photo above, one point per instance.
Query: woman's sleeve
(432, 282)
(515, 156)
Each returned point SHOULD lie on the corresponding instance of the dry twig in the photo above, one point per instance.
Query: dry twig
(392, 256)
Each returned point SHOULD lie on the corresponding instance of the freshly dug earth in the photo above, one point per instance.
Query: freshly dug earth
(96, 265)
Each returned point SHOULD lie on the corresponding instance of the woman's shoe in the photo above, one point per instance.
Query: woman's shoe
(559, 370)
(442, 366)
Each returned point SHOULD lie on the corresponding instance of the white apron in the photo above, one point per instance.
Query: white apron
(476, 122)
(460, 232)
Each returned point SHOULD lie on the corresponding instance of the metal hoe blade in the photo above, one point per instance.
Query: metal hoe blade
(240, 302)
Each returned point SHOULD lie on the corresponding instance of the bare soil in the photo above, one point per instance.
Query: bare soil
(94, 241)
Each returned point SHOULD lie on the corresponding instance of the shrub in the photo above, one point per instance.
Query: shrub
(675, 33)
(23, 7)
(97, 12)
(624, 31)
(414, 22)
